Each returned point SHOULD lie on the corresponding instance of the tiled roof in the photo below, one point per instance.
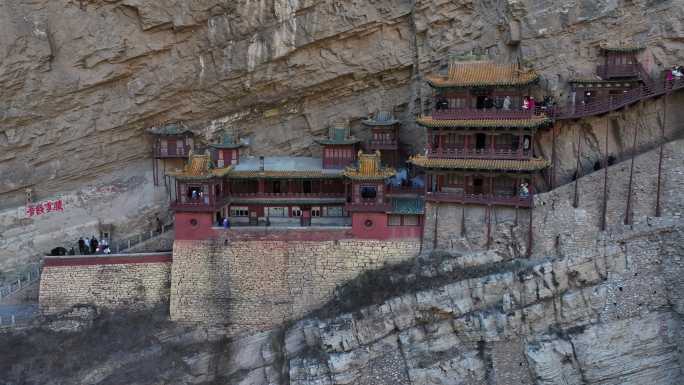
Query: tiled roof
(533, 122)
(533, 164)
(381, 118)
(483, 73)
(200, 167)
(408, 206)
(284, 174)
(369, 168)
(174, 128)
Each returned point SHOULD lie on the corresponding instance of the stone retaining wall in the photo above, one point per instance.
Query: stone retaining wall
(133, 282)
(254, 284)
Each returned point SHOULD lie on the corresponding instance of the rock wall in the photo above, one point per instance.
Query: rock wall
(123, 282)
(126, 199)
(253, 285)
(611, 317)
(82, 79)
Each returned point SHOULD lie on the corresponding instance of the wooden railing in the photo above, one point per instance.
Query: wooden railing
(258, 195)
(172, 152)
(615, 102)
(489, 113)
(483, 199)
(370, 206)
(617, 70)
(496, 153)
(397, 190)
(383, 144)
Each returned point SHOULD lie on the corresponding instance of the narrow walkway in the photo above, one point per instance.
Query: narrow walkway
(649, 89)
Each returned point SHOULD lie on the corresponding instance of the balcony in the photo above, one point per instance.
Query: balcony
(384, 145)
(479, 199)
(337, 197)
(611, 71)
(206, 203)
(479, 114)
(496, 153)
(404, 190)
(370, 206)
(172, 152)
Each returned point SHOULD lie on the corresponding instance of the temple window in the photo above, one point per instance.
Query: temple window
(239, 211)
(195, 193)
(369, 192)
(276, 211)
(333, 211)
(315, 211)
(296, 211)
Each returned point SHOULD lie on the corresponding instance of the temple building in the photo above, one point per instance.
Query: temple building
(619, 73)
(172, 142)
(227, 151)
(375, 213)
(201, 194)
(339, 148)
(480, 136)
(384, 136)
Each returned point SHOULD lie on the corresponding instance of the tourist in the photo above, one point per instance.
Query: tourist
(532, 104)
(87, 245)
(507, 103)
(93, 244)
(524, 191)
(72, 251)
(194, 195)
(104, 242)
(81, 245)
(107, 250)
(526, 103)
(669, 77)
(226, 223)
(159, 224)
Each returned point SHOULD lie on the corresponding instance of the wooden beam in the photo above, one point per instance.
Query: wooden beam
(628, 207)
(530, 233)
(605, 180)
(578, 172)
(660, 155)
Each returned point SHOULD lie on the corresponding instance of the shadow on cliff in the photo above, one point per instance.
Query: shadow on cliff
(428, 271)
(114, 348)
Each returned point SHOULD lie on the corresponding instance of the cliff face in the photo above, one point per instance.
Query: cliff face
(82, 79)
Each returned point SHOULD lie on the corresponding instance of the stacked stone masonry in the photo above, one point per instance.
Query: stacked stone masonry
(125, 286)
(253, 285)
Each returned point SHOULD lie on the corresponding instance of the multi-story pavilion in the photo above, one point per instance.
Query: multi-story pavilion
(172, 142)
(480, 136)
(384, 136)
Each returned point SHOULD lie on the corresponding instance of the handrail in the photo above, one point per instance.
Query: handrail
(515, 200)
(287, 195)
(500, 153)
(489, 113)
(29, 276)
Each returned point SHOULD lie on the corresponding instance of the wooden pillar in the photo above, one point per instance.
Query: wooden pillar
(463, 221)
(530, 233)
(434, 238)
(605, 181)
(628, 208)
(488, 218)
(553, 157)
(660, 155)
(261, 186)
(578, 172)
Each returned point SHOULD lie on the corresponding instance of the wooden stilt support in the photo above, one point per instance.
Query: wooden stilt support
(488, 217)
(516, 215)
(628, 209)
(578, 172)
(434, 236)
(530, 234)
(605, 181)
(660, 155)
(155, 172)
(463, 222)
(164, 170)
(552, 182)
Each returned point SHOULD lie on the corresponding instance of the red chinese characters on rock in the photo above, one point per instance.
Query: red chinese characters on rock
(41, 208)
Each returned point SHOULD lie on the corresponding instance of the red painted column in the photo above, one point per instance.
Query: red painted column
(262, 186)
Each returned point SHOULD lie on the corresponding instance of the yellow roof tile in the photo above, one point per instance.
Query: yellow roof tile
(533, 164)
(483, 73)
(199, 167)
(369, 168)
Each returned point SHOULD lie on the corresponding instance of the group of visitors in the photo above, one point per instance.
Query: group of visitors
(93, 246)
(223, 222)
(529, 103)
